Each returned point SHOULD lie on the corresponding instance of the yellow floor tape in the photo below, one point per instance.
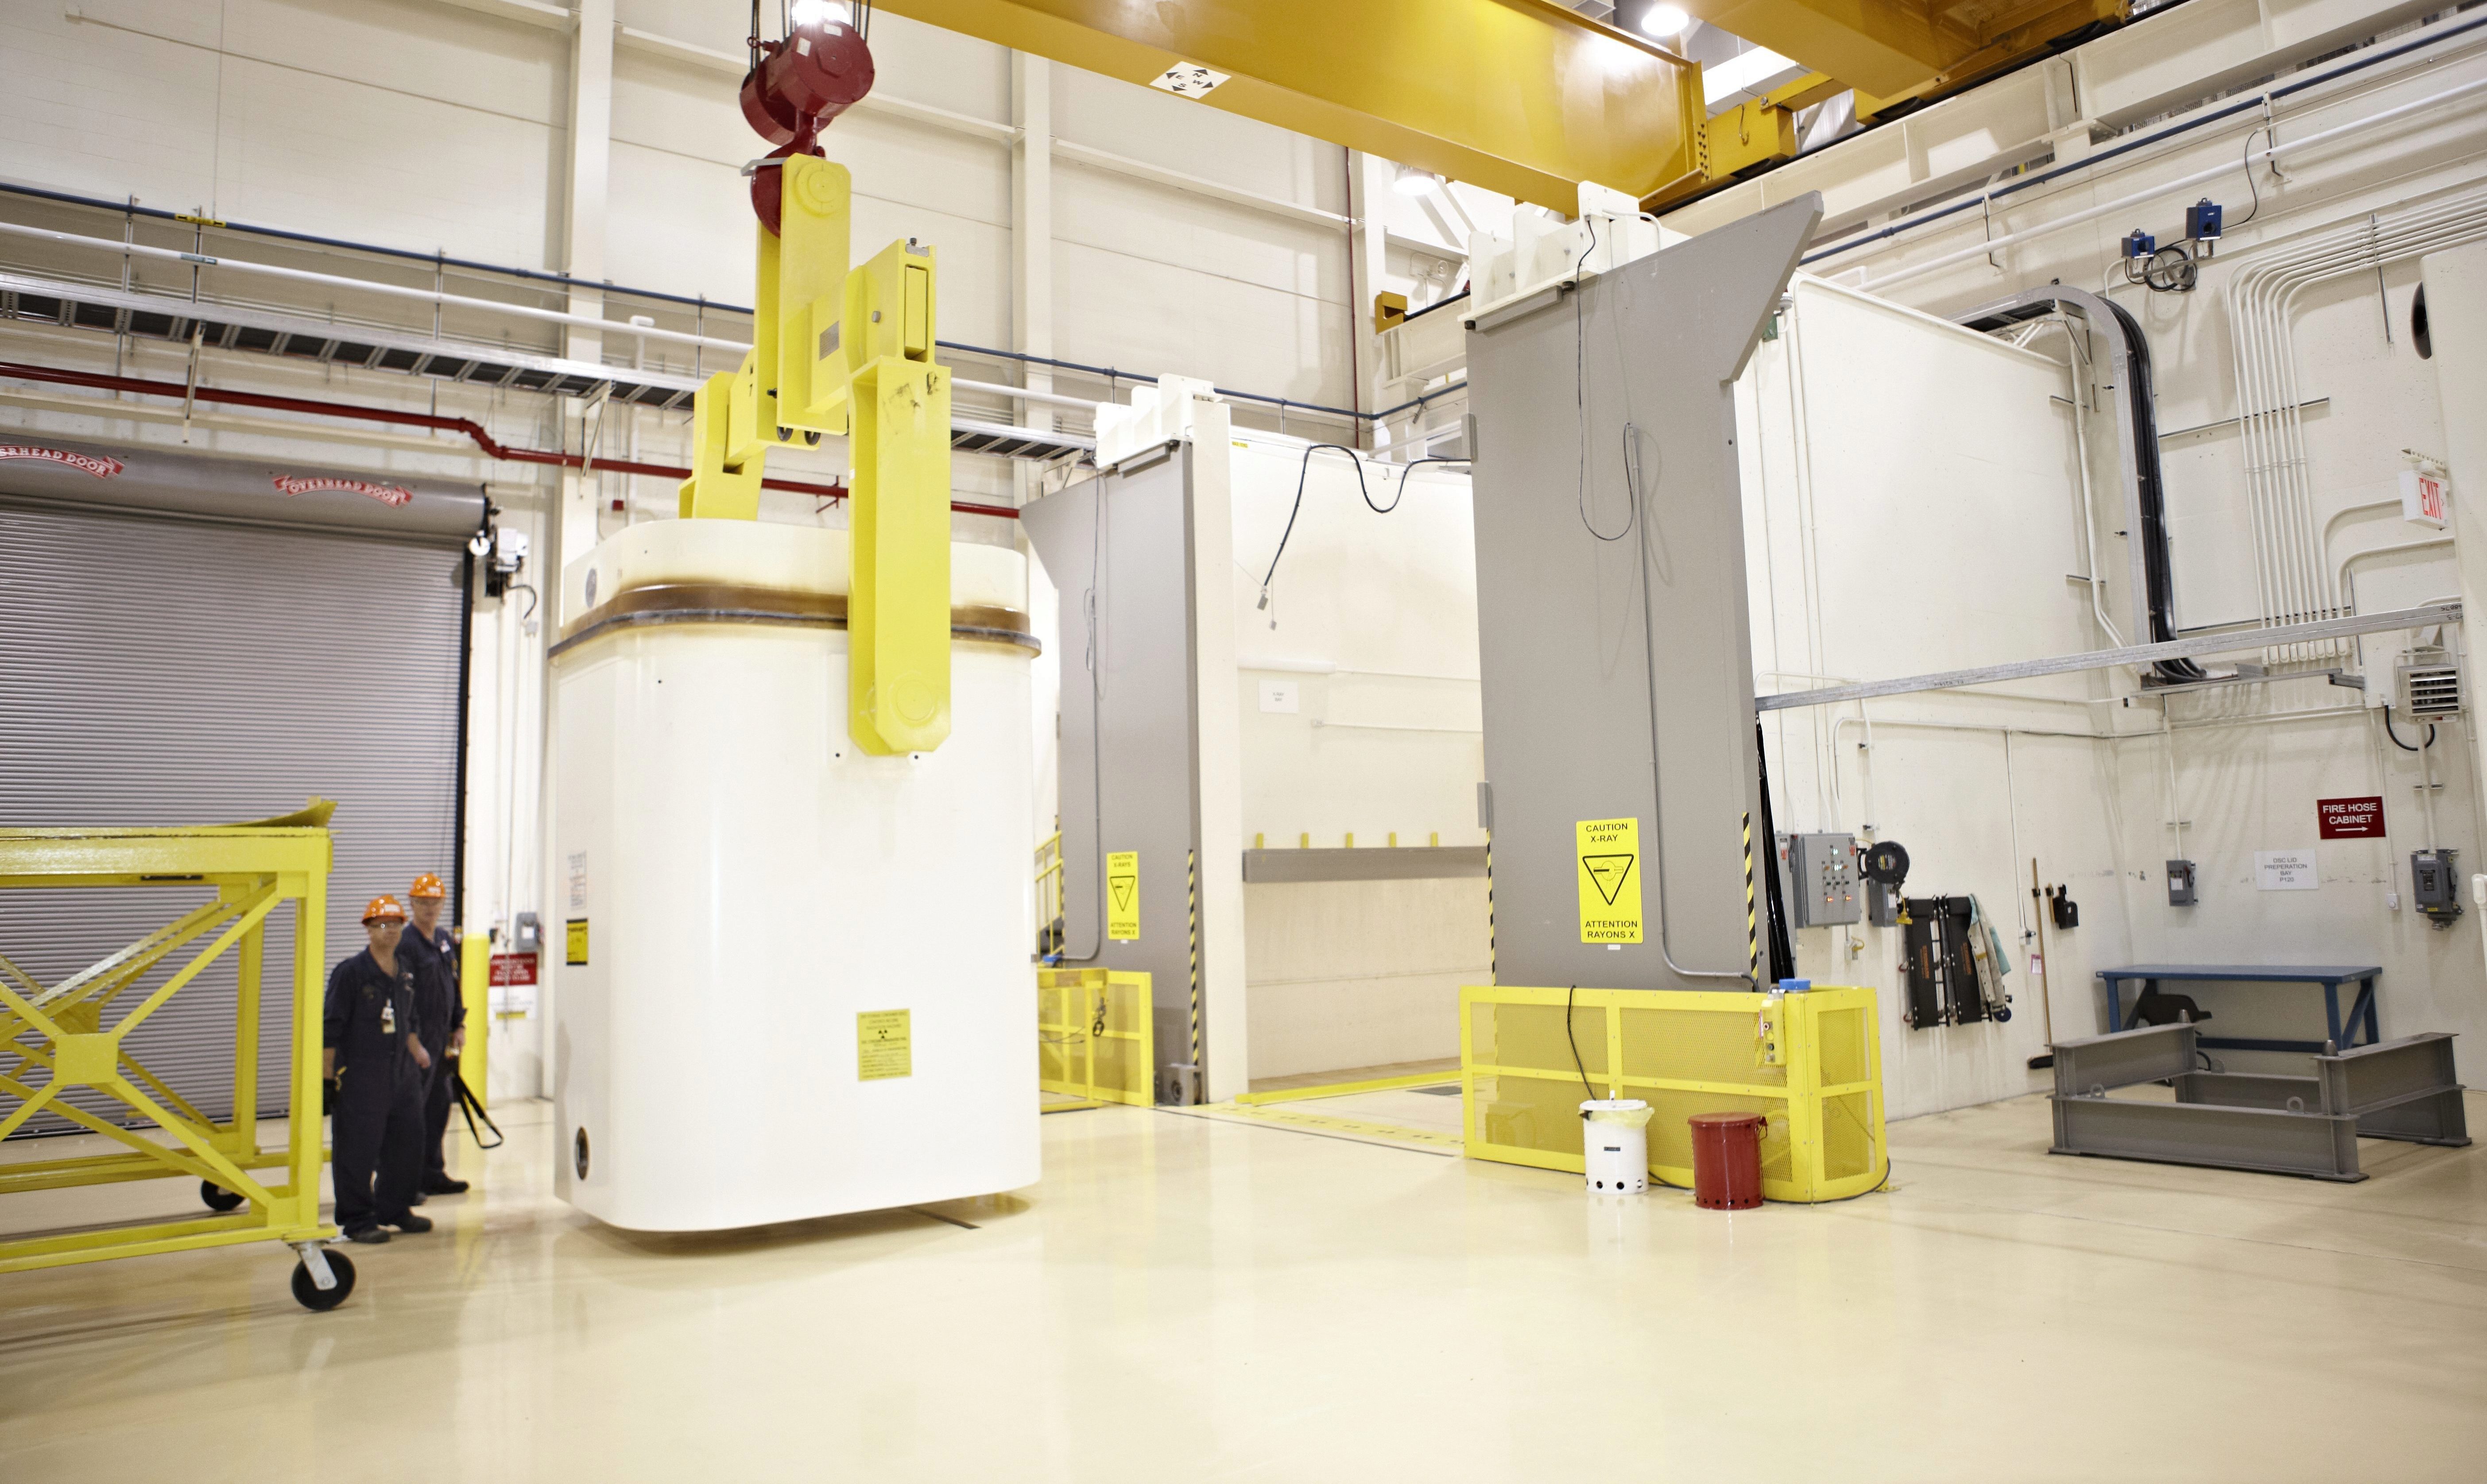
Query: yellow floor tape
(1399, 1134)
(1351, 1089)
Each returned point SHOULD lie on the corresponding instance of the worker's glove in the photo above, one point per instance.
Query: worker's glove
(328, 1094)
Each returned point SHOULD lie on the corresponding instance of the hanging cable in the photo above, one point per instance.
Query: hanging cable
(2396, 736)
(1580, 400)
(1304, 472)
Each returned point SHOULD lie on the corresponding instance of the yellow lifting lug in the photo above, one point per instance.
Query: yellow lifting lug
(726, 459)
(897, 617)
(809, 306)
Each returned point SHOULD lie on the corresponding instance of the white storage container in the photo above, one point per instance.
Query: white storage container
(794, 979)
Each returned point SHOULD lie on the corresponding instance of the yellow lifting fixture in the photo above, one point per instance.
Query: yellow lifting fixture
(842, 352)
(56, 1038)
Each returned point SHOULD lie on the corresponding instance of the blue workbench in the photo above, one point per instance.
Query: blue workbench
(2361, 1012)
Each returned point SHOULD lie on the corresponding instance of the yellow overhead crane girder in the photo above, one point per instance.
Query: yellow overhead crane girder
(1524, 97)
(1895, 49)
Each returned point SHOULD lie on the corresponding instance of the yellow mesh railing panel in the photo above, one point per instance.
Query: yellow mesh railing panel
(1694, 1046)
(1077, 1059)
(1851, 1135)
(1532, 1036)
(1845, 1057)
(1533, 1113)
(1525, 1093)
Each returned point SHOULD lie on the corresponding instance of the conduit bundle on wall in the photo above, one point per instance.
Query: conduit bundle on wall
(2297, 581)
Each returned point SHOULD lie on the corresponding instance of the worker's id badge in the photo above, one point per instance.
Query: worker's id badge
(388, 1018)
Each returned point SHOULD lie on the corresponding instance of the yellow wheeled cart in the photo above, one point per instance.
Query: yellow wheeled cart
(53, 1038)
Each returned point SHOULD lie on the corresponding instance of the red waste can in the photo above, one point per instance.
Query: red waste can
(1726, 1161)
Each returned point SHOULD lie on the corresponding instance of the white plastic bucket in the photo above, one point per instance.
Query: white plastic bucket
(1614, 1145)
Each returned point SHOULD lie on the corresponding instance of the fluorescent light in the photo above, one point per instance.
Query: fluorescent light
(1665, 20)
(1413, 182)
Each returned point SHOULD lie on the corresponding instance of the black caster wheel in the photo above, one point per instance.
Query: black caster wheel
(309, 1295)
(217, 1197)
(2003, 1014)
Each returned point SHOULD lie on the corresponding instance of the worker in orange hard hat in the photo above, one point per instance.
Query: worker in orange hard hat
(375, 1059)
(433, 949)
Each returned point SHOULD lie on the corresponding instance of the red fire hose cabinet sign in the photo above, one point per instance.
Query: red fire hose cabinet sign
(2350, 818)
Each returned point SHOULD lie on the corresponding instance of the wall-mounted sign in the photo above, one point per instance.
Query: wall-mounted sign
(291, 485)
(514, 968)
(96, 464)
(2350, 818)
(2424, 496)
(2285, 870)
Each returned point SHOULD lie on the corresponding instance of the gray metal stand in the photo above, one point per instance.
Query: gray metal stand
(2405, 1090)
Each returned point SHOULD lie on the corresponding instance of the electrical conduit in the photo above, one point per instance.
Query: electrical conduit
(466, 427)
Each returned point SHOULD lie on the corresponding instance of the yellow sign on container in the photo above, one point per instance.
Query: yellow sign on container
(1609, 853)
(884, 1044)
(1123, 896)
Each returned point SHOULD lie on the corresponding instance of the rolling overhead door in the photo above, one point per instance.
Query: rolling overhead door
(201, 648)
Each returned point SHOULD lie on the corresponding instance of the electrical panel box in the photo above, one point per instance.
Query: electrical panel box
(1882, 903)
(2434, 884)
(2203, 219)
(2180, 883)
(1822, 873)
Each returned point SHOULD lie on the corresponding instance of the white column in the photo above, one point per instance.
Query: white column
(2456, 313)
(1032, 226)
(1224, 1017)
(583, 217)
(1368, 181)
(570, 525)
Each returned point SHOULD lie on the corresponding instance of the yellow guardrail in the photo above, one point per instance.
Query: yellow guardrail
(1526, 1062)
(1093, 1035)
(57, 1037)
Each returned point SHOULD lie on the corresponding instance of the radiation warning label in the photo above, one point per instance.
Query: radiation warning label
(1123, 896)
(884, 1044)
(1609, 852)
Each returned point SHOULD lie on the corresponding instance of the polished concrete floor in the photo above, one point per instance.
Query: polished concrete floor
(1192, 1298)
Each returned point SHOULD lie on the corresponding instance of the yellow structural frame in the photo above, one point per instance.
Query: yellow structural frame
(1110, 999)
(848, 352)
(1526, 97)
(54, 1033)
(1801, 1101)
(1896, 48)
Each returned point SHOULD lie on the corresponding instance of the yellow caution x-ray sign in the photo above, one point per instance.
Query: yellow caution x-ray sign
(1123, 896)
(1610, 855)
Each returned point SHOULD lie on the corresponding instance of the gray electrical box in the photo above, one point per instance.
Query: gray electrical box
(1882, 904)
(2434, 884)
(1824, 891)
(2180, 883)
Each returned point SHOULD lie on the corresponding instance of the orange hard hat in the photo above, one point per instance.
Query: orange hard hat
(427, 884)
(383, 909)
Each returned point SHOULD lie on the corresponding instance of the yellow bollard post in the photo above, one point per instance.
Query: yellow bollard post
(475, 990)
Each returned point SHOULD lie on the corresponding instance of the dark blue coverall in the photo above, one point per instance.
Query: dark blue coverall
(440, 1010)
(379, 1109)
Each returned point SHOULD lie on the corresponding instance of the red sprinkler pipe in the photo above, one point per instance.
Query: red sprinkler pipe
(491, 445)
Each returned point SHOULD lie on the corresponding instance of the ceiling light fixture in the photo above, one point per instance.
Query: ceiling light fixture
(1413, 182)
(1665, 20)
